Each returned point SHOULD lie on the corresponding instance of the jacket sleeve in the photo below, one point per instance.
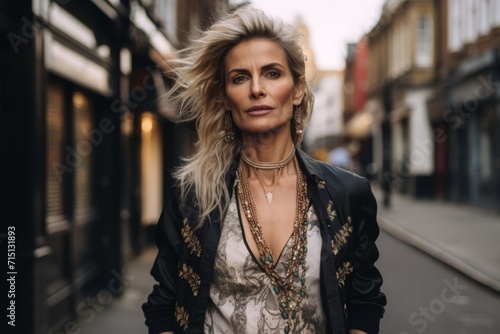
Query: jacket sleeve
(159, 309)
(365, 300)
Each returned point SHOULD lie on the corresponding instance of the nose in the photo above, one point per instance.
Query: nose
(256, 90)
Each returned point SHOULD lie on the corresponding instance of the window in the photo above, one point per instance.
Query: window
(463, 19)
(54, 118)
(423, 57)
(151, 169)
(406, 46)
(496, 13)
(483, 18)
(454, 43)
(70, 146)
(472, 24)
(82, 132)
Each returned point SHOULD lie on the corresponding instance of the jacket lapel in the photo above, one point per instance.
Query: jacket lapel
(326, 210)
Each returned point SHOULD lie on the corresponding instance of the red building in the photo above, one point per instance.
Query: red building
(357, 120)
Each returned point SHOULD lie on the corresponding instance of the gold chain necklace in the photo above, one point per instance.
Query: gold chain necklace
(269, 194)
(290, 288)
(268, 165)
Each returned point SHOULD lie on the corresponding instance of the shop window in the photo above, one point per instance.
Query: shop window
(82, 128)
(55, 154)
(69, 146)
(151, 169)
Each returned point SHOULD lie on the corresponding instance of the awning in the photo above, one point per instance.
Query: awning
(359, 126)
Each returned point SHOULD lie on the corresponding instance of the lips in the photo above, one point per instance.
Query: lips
(261, 109)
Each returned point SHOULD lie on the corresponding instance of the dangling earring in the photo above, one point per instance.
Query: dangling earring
(228, 128)
(297, 117)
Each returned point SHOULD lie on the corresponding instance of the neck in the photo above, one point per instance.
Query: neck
(267, 147)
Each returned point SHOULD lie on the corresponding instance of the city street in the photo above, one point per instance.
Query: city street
(102, 101)
(425, 296)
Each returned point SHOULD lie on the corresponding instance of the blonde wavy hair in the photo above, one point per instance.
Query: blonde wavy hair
(199, 92)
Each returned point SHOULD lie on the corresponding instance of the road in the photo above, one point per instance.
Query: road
(426, 296)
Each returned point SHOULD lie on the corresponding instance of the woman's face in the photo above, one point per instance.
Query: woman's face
(260, 90)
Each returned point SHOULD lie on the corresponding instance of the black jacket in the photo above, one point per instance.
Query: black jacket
(350, 283)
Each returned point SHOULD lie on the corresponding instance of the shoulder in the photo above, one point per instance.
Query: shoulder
(342, 179)
(338, 181)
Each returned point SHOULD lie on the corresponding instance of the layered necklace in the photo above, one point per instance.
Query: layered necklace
(290, 288)
(268, 165)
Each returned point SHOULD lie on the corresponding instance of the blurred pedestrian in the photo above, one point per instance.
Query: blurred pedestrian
(340, 157)
(258, 237)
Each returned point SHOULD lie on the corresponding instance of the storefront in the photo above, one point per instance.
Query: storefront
(472, 115)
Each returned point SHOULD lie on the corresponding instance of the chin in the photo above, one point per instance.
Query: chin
(264, 131)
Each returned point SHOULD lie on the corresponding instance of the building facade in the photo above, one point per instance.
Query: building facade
(433, 74)
(358, 116)
(402, 73)
(469, 111)
(89, 148)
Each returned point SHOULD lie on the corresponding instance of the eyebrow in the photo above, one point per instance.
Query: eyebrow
(263, 68)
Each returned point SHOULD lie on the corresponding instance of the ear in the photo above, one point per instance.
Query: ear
(226, 103)
(298, 91)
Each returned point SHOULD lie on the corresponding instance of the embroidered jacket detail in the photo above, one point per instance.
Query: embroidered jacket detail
(191, 277)
(190, 239)
(182, 317)
(342, 236)
(342, 273)
(331, 211)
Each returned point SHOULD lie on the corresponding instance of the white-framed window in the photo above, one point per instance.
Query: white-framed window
(492, 7)
(472, 24)
(423, 50)
(483, 17)
(390, 54)
(454, 25)
(395, 51)
(464, 19)
(496, 12)
(406, 49)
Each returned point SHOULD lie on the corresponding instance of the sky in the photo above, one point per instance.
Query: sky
(332, 24)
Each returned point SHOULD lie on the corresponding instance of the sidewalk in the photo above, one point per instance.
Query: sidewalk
(124, 315)
(462, 236)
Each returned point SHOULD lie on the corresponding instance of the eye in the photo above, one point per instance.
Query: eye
(273, 74)
(239, 79)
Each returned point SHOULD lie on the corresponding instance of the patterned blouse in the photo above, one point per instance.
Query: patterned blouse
(242, 296)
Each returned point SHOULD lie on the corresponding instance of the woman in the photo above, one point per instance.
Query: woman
(258, 237)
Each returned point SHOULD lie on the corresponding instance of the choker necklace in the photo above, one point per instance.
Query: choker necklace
(290, 289)
(268, 165)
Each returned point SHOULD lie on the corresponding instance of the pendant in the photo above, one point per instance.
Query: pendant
(269, 197)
